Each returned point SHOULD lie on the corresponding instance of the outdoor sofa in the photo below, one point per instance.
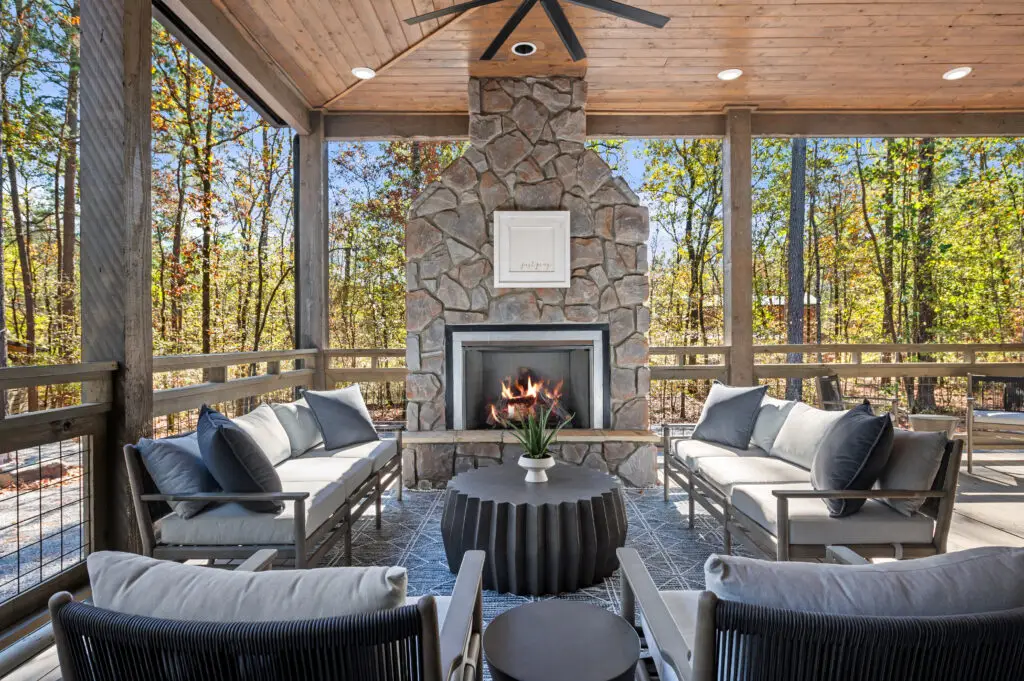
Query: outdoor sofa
(324, 491)
(952, 617)
(766, 495)
(151, 620)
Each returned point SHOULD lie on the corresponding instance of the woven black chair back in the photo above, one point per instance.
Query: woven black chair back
(766, 644)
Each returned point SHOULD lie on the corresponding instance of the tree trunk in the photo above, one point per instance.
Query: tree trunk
(795, 258)
(924, 283)
(24, 244)
(889, 214)
(67, 250)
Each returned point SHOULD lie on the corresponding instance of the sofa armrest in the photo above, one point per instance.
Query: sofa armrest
(638, 589)
(228, 497)
(856, 494)
(463, 624)
(261, 561)
(844, 555)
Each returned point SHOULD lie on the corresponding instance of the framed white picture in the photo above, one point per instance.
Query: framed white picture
(531, 249)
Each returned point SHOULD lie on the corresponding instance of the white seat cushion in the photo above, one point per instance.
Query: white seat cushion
(728, 471)
(999, 418)
(378, 452)
(682, 605)
(690, 451)
(230, 524)
(809, 521)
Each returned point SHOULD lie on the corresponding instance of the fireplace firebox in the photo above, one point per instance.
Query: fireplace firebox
(500, 372)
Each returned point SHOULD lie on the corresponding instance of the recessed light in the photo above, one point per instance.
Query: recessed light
(524, 49)
(957, 73)
(363, 72)
(730, 74)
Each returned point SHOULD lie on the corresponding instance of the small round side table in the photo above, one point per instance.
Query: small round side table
(548, 640)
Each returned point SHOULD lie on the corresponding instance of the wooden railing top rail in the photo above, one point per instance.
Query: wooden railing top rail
(365, 352)
(810, 348)
(174, 400)
(165, 363)
(690, 350)
(55, 374)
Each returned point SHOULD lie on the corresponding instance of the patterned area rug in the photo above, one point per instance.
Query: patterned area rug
(411, 537)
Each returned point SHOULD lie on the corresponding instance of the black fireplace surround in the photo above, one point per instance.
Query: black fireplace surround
(487, 364)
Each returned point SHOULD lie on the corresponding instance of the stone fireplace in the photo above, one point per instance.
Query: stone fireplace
(526, 152)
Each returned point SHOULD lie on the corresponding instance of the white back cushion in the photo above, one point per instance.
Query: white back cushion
(263, 426)
(801, 434)
(137, 585)
(974, 581)
(298, 421)
(769, 422)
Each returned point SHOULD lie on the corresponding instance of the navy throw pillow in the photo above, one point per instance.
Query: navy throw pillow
(235, 461)
(852, 456)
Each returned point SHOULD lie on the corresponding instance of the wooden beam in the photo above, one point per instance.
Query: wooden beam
(905, 124)
(311, 243)
(116, 250)
(372, 126)
(739, 258)
(398, 58)
(232, 56)
(669, 126)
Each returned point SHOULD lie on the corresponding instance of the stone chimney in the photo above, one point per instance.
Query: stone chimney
(527, 152)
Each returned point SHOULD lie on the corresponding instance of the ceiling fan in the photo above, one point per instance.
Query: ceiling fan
(555, 14)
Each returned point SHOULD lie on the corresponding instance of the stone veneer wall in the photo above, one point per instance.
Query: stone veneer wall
(526, 153)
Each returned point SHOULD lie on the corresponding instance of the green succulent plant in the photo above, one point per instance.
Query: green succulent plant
(533, 433)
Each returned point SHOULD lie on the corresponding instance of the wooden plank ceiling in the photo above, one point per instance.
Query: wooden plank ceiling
(796, 55)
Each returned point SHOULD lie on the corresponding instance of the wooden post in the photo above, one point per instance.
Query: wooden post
(311, 246)
(739, 259)
(116, 248)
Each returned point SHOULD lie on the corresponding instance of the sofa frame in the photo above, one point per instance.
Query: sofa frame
(938, 505)
(130, 647)
(306, 551)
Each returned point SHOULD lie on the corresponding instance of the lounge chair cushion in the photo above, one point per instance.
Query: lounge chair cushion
(729, 414)
(682, 606)
(236, 460)
(689, 452)
(770, 417)
(263, 426)
(913, 464)
(138, 585)
(231, 524)
(1014, 419)
(342, 416)
(177, 467)
(965, 582)
(728, 471)
(802, 433)
(378, 452)
(298, 421)
(810, 523)
(851, 457)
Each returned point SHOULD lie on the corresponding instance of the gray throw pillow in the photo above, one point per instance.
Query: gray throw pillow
(138, 585)
(177, 467)
(236, 461)
(770, 419)
(342, 416)
(802, 433)
(852, 456)
(729, 414)
(266, 430)
(960, 583)
(299, 423)
(913, 464)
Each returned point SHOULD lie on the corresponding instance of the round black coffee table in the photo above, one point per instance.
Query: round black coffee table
(550, 640)
(540, 538)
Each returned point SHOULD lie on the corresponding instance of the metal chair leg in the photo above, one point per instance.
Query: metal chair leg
(690, 501)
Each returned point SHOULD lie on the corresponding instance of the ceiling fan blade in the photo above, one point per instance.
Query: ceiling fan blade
(564, 29)
(618, 9)
(506, 30)
(454, 9)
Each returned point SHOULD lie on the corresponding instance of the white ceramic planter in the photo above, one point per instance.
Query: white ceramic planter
(536, 469)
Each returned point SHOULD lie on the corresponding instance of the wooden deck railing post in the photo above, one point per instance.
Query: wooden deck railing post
(739, 258)
(116, 237)
(311, 244)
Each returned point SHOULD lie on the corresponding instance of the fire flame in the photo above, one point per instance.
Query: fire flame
(522, 396)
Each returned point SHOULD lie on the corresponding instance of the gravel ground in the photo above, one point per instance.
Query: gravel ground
(41, 527)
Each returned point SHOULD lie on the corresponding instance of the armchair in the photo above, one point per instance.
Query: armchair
(430, 639)
(831, 398)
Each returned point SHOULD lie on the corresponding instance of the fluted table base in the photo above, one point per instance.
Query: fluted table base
(544, 538)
